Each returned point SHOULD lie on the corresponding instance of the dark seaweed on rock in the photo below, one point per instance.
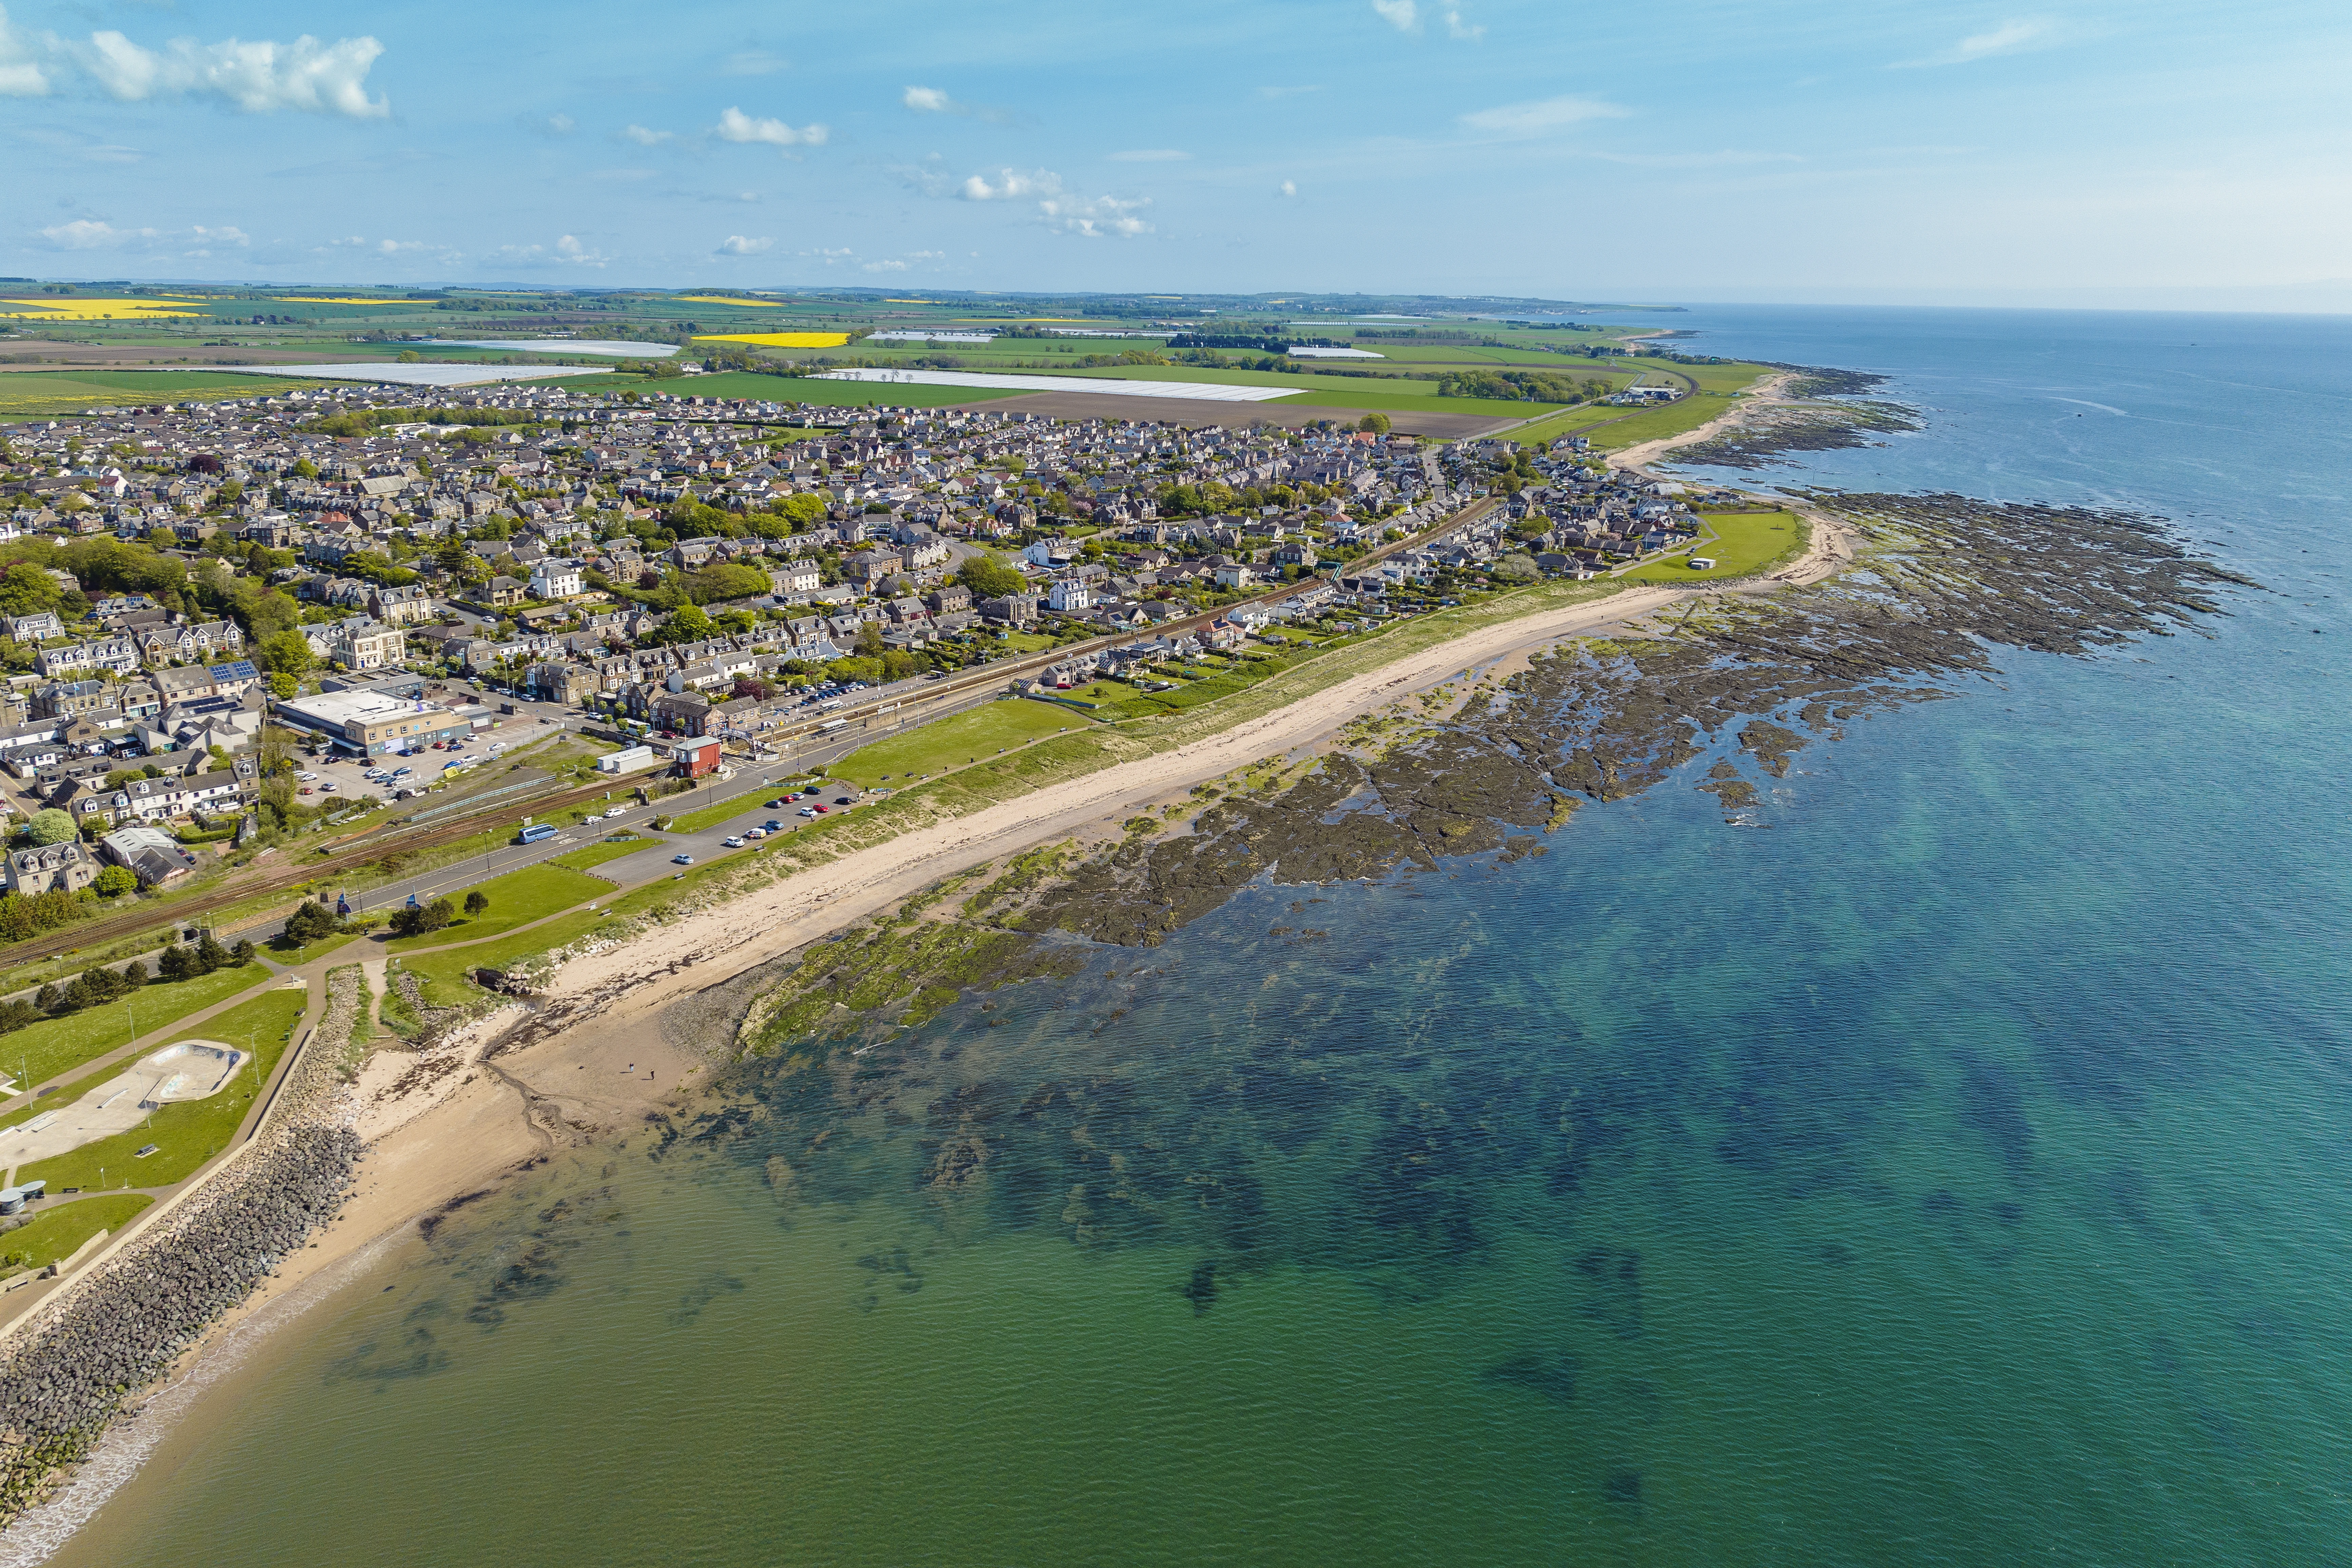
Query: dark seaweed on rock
(1132, 1147)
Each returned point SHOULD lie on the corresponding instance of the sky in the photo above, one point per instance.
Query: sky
(2153, 153)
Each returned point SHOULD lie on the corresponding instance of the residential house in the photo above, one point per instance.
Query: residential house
(51, 867)
(557, 578)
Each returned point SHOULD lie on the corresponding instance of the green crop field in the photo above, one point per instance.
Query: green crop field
(1740, 543)
(952, 742)
(189, 1132)
(58, 1231)
(805, 389)
(516, 898)
(26, 394)
(40, 1051)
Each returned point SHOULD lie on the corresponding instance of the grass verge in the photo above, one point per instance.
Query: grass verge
(516, 898)
(58, 1232)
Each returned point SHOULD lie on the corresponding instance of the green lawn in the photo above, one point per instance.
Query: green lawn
(1747, 544)
(42, 1050)
(597, 854)
(295, 957)
(516, 898)
(952, 742)
(60, 1230)
(711, 815)
(1027, 642)
(444, 974)
(191, 1133)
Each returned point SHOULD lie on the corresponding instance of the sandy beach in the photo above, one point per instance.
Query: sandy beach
(445, 1124)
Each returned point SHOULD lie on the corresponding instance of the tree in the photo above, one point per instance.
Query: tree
(726, 580)
(115, 881)
(306, 469)
(990, 578)
(686, 623)
(415, 919)
(476, 901)
(210, 954)
(241, 955)
(27, 589)
(1513, 568)
(50, 825)
(1378, 424)
(286, 653)
(176, 964)
(310, 922)
(869, 640)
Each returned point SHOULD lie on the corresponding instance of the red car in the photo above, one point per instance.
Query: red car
(821, 810)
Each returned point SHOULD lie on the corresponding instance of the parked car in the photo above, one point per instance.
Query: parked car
(734, 841)
(682, 859)
(808, 811)
(615, 811)
(756, 833)
(820, 809)
(771, 825)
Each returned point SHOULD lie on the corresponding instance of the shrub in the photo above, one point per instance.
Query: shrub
(115, 881)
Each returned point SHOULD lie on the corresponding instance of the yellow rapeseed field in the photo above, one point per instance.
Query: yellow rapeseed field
(780, 340)
(75, 308)
(732, 300)
(341, 300)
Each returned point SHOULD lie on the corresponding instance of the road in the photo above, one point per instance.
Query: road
(799, 742)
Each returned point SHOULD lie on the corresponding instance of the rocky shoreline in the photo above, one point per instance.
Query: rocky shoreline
(1495, 767)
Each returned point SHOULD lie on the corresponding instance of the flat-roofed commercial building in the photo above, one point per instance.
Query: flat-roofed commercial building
(372, 722)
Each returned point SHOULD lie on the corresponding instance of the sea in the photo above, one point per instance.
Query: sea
(1952, 1165)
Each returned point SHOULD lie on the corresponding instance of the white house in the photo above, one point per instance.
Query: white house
(556, 578)
(1068, 595)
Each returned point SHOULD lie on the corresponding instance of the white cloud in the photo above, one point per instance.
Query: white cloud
(927, 99)
(2006, 39)
(1059, 206)
(1149, 155)
(645, 137)
(89, 234)
(562, 124)
(1405, 16)
(21, 75)
(1456, 27)
(883, 267)
(1287, 189)
(735, 125)
(572, 251)
(227, 234)
(1546, 114)
(257, 76)
(395, 247)
(743, 245)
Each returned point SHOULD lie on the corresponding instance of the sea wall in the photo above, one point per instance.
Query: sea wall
(80, 1367)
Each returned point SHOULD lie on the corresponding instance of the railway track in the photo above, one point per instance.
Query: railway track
(397, 837)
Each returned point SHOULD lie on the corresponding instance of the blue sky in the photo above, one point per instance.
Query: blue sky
(2147, 153)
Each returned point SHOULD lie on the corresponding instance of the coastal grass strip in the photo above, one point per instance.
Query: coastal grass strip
(42, 1050)
(992, 782)
(55, 1234)
(189, 1132)
(516, 898)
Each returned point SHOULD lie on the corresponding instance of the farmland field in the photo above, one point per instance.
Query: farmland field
(26, 394)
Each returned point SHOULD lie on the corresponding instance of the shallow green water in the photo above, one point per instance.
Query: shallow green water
(1955, 1172)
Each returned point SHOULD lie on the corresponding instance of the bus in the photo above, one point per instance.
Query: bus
(537, 832)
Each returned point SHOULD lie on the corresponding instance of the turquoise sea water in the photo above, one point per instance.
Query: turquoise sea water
(1954, 1170)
